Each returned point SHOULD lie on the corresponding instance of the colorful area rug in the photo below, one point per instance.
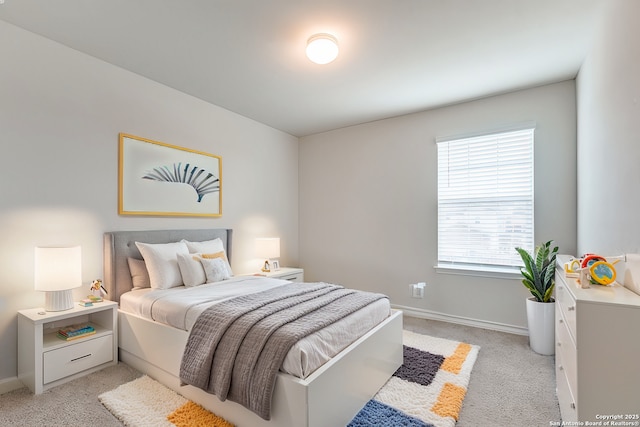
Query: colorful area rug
(427, 390)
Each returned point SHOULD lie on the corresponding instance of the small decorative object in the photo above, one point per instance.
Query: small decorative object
(585, 279)
(589, 259)
(597, 270)
(85, 303)
(268, 248)
(602, 272)
(97, 291)
(572, 268)
(539, 278)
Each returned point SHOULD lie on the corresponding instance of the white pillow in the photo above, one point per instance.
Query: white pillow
(215, 269)
(191, 269)
(162, 263)
(209, 247)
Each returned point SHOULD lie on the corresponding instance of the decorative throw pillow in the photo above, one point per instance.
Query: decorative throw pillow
(162, 263)
(139, 273)
(223, 256)
(191, 269)
(209, 247)
(215, 269)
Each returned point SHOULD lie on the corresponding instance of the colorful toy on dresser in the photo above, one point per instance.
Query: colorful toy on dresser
(593, 269)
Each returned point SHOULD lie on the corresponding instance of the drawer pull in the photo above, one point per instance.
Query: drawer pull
(560, 368)
(558, 343)
(81, 357)
(573, 307)
(560, 321)
(573, 405)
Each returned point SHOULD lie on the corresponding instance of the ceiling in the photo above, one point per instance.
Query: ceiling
(396, 56)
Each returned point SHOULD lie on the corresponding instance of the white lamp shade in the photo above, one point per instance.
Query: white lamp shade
(268, 247)
(322, 48)
(58, 269)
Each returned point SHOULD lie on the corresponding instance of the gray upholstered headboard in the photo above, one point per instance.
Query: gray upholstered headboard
(120, 245)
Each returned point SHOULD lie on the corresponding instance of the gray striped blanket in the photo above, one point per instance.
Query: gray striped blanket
(236, 347)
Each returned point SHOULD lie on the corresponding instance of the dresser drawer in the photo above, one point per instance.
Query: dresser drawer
(77, 357)
(568, 408)
(567, 360)
(567, 305)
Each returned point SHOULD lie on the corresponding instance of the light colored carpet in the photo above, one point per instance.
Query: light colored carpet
(510, 386)
(74, 404)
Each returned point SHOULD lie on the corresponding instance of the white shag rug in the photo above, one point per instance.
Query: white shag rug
(142, 402)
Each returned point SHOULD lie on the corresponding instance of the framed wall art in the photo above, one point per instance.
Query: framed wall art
(155, 178)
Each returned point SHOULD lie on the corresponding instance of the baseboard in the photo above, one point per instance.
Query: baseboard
(10, 384)
(433, 315)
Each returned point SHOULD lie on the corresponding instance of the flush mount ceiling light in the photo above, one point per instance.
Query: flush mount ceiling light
(322, 48)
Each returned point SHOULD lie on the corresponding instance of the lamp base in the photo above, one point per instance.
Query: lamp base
(58, 300)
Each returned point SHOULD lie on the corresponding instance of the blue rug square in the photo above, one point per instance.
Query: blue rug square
(375, 413)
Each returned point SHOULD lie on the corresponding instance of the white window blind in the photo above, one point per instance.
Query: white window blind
(485, 200)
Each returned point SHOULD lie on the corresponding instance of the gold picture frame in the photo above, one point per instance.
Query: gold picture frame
(155, 178)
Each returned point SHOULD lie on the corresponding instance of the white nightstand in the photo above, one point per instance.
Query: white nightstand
(45, 361)
(286, 273)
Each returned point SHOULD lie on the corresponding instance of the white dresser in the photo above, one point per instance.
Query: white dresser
(598, 351)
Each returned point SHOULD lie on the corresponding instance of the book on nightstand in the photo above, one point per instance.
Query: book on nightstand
(75, 331)
(75, 337)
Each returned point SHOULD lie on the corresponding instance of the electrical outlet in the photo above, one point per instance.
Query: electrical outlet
(417, 290)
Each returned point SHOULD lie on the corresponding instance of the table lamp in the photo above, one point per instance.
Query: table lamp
(268, 248)
(57, 272)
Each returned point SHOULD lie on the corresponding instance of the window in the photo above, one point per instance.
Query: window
(485, 200)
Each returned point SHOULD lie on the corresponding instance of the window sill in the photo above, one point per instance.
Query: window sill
(496, 273)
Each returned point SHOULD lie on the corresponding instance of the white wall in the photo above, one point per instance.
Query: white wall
(368, 202)
(608, 89)
(60, 115)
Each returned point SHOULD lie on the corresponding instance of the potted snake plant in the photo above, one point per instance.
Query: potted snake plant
(538, 276)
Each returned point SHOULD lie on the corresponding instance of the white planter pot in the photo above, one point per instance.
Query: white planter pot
(541, 318)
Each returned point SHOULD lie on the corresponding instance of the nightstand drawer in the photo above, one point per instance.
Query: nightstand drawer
(77, 357)
(293, 277)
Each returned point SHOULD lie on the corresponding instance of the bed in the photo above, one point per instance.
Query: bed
(330, 396)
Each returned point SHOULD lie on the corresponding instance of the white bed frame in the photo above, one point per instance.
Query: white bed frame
(331, 396)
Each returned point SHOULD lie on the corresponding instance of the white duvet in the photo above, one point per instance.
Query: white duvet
(180, 307)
